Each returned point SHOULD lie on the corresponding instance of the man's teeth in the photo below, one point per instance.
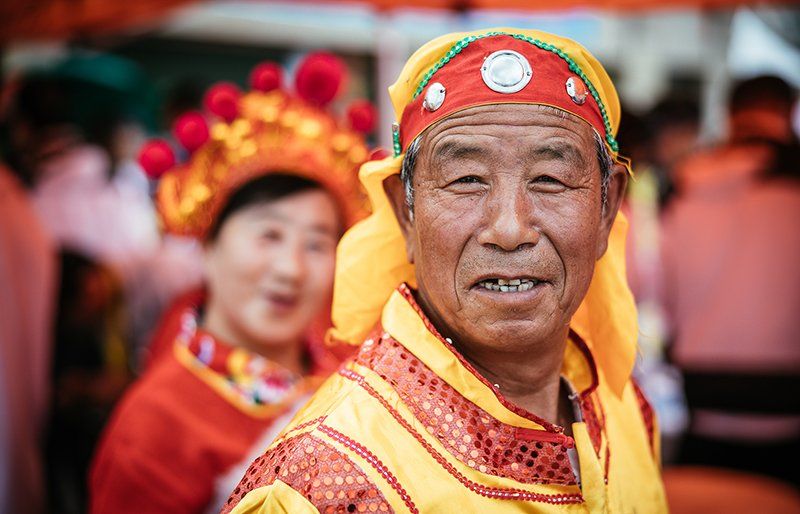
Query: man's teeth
(509, 286)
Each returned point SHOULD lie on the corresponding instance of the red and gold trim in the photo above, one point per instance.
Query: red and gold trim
(468, 432)
(488, 492)
(648, 415)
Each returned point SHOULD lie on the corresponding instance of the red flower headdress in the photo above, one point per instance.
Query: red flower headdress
(266, 130)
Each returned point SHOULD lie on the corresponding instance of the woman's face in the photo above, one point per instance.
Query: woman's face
(270, 268)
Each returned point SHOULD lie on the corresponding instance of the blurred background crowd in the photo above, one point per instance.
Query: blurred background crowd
(711, 123)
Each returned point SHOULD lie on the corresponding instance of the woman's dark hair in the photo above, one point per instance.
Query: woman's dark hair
(260, 190)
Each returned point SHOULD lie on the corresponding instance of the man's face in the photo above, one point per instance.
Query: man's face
(507, 223)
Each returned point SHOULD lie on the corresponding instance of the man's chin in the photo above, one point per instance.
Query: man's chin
(495, 330)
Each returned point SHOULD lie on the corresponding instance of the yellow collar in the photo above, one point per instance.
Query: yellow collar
(404, 320)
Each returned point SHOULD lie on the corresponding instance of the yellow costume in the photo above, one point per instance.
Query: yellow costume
(408, 425)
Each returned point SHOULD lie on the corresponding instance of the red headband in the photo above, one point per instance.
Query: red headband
(495, 70)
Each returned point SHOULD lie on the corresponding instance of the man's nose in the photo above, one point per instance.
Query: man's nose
(509, 221)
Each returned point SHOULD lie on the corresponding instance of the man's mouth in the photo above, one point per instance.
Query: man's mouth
(512, 285)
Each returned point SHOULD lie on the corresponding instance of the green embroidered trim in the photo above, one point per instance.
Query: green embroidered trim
(573, 67)
(396, 139)
(454, 50)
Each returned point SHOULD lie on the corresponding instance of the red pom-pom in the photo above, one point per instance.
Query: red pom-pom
(362, 116)
(320, 77)
(223, 100)
(379, 154)
(266, 76)
(156, 157)
(191, 130)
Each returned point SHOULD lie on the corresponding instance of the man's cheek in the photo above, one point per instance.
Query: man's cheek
(444, 227)
(579, 272)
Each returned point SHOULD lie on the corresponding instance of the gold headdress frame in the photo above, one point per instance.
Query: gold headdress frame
(266, 130)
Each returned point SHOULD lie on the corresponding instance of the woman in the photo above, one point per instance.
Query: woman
(269, 193)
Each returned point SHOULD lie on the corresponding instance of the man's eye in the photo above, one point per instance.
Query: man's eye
(469, 179)
(546, 179)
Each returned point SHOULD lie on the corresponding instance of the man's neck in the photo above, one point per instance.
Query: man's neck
(530, 380)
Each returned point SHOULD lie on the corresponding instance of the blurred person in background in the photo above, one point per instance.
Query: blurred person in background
(90, 371)
(639, 207)
(28, 276)
(177, 268)
(673, 126)
(100, 230)
(642, 205)
(73, 188)
(731, 247)
(269, 194)
(121, 135)
(162, 272)
(91, 194)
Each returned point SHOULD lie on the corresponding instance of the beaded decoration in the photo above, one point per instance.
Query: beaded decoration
(251, 382)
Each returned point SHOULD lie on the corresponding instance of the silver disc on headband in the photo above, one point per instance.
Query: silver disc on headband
(577, 90)
(506, 71)
(434, 97)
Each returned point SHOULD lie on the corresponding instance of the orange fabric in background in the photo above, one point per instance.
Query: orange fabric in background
(560, 5)
(67, 19)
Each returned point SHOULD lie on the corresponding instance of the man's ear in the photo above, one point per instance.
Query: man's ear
(617, 185)
(396, 192)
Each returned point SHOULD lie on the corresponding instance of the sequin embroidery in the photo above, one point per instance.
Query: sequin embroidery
(468, 432)
(326, 477)
(488, 492)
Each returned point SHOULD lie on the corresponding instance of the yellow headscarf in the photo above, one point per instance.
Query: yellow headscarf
(371, 257)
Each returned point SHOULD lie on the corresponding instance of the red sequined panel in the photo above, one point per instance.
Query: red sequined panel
(468, 432)
(647, 415)
(500, 493)
(326, 477)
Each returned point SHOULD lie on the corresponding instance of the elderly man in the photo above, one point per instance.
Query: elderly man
(488, 289)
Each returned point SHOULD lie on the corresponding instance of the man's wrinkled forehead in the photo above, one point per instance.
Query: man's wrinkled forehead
(536, 130)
